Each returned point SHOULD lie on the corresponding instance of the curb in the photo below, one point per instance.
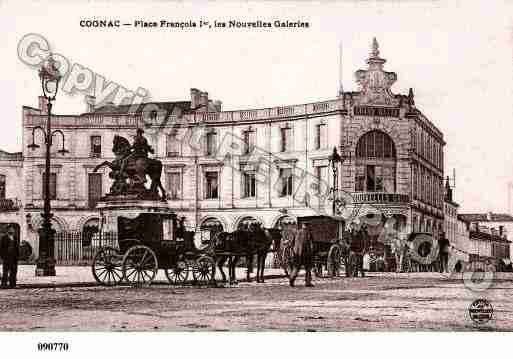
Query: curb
(95, 284)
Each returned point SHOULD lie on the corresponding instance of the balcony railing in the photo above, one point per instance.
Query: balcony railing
(9, 204)
(380, 197)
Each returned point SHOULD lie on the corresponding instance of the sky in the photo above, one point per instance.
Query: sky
(457, 56)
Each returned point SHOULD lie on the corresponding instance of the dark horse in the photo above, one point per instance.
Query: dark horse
(129, 171)
(247, 243)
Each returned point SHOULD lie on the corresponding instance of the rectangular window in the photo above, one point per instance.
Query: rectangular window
(172, 146)
(320, 136)
(212, 185)
(286, 182)
(249, 184)
(360, 179)
(211, 143)
(388, 179)
(379, 179)
(320, 177)
(94, 189)
(174, 185)
(2, 186)
(371, 177)
(96, 146)
(53, 185)
(286, 138)
(414, 182)
(249, 141)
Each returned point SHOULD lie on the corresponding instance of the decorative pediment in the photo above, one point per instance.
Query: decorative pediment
(374, 82)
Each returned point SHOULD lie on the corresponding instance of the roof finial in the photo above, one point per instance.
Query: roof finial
(341, 87)
(374, 48)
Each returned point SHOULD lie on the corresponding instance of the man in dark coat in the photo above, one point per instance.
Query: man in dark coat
(303, 255)
(443, 253)
(9, 253)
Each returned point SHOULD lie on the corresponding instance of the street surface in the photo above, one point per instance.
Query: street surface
(381, 301)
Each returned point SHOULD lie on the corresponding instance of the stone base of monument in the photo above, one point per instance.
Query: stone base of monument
(123, 206)
(142, 237)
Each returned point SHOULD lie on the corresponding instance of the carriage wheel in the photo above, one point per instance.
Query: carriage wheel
(318, 266)
(178, 274)
(333, 261)
(106, 267)
(139, 265)
(204, 270)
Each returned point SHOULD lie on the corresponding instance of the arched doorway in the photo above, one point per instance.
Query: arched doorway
(245, 222)
(375, 163)
(284, 221)
(90, 231)
(212, 224)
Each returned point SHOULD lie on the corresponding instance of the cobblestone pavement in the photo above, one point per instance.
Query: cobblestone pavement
(385, 301)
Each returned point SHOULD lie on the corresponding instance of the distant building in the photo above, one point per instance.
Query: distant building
(461, 248)
(496, 224)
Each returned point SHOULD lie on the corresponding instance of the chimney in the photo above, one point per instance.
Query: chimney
(195, 94)
(43, 103)
(501, 230)
(218, 105)
(90, 103)
(204, 101)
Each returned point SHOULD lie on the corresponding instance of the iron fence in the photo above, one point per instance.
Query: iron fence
(79, 248)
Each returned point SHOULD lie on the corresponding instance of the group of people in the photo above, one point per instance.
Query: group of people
(301, 244)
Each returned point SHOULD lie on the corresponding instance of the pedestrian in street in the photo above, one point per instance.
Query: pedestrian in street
(302, 250)
(9, 253)
(443, 253)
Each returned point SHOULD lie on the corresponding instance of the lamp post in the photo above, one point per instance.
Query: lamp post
(334, 160)
(50, 77)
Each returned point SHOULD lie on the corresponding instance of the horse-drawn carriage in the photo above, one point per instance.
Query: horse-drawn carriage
(148, 242)
(420, 254)
(329, 242)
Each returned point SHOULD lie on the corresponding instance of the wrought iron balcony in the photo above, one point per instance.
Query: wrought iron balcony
(9, 204)
(380, 197)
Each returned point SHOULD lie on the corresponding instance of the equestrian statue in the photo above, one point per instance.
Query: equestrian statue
(130, 167)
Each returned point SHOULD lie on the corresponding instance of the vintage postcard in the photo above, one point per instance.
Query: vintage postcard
(336, 166)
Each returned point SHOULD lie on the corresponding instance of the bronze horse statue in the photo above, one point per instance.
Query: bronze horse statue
(129, 170)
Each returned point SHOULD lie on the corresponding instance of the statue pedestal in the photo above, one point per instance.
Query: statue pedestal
(112, 208)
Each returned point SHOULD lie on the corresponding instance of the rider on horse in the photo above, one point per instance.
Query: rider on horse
(140, 147)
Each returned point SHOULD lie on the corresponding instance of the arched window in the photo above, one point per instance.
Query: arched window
(375, 144)
(375, 163)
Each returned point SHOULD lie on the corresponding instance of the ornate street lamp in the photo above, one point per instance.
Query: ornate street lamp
(334, 160)
(50, 77)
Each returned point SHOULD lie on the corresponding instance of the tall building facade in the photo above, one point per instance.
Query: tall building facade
(224, 168)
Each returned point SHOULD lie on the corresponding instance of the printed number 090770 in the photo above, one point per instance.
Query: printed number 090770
(52, 347)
